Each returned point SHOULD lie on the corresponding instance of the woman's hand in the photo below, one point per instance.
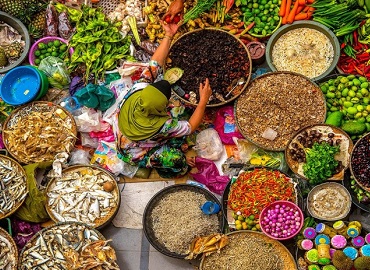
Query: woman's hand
(190, 161)
(176, 7)
(170, 29)
(205, 91)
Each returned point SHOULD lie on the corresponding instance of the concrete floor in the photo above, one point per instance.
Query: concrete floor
(135, 253)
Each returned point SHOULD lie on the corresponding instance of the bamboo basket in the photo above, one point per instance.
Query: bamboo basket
(14, 249)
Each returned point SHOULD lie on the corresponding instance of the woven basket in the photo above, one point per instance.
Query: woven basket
(6, 235)
(23, 111)
(23, 174)
(99, 223)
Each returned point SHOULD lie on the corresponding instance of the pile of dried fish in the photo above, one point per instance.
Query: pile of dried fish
(86, 194)
(8, 251)
(38, 132)
(51, 248)
(13, 186)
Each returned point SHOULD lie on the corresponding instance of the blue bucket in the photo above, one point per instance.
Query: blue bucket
(20, 85)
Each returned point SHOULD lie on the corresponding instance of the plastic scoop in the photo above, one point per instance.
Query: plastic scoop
(210, 208)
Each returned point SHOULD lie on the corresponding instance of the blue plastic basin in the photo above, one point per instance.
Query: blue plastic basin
(20, 85)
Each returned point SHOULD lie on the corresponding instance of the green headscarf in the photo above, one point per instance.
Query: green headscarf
(143, 114)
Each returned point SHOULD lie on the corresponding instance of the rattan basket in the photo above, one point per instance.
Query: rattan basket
(13, 247)
(92, 170)
(15, 166)
(23, 111)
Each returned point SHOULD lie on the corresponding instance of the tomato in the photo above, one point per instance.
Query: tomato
(176, 19)
(167, 19)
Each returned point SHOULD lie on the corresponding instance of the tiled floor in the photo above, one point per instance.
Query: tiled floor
(135, 253)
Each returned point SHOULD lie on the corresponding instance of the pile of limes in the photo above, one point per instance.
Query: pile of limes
(248, 223)
(52, 48)
(265, 14)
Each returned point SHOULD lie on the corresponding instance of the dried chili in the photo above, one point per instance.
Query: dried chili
(256, 189)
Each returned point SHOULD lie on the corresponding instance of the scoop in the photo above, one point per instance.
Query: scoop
(239, 82)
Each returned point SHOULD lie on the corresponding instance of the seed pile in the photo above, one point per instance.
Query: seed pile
(278, 101)
(250, 251)
(211, 54)
(177, 219)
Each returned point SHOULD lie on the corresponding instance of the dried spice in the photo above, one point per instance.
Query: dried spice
(360, 162)
(212, 54)
(282, 102)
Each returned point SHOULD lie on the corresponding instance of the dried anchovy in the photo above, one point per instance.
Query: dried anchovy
(284, 102)
(8, 259)
(37, 133)
(211, 54)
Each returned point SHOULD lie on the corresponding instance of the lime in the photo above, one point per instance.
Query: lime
(54, 54)
(263, 2)
(255, 5)
(243, 8)
(41, 56)
(44, 51)
(240, 217)
(41, 46)
(56, 43)
(256, 11)
(275, 1)
(254, 229)
(37, 61)
(267, 6)
(50, 44)
(37, 53)
(49, 50)
(47, 54)
(250, 5)
(251, 217)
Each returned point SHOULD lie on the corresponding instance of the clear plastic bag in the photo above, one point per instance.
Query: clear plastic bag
(208, 144)
(56, 71)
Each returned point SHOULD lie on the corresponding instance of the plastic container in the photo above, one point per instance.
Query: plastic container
(71, 104)
(210, 208)
(44, 83)
(20, 85)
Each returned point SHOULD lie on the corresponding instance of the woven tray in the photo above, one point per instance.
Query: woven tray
(83, 169)
(6, 238)
(19, 149)
(13, 166)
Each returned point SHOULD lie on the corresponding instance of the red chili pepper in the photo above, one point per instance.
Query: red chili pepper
(355, 38)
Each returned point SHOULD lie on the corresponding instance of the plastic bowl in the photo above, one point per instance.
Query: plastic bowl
(31, 55)
(304, 24)
(22, 30)
(273, 206)
(20, 85)
(44, 83)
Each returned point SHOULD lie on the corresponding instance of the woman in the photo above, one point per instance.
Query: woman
(149, 136)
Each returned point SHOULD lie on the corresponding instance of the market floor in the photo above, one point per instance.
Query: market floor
(135, 253)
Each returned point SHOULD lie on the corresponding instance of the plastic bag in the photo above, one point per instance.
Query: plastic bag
(79, 156)
(209, 175)
(33, 208)
(90, 120)
(225, 125)
(95, 96)
(51, 21)
(208, 144)
(56, 71)
(64, 27)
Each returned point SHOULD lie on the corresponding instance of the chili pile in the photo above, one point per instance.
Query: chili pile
(253, 190)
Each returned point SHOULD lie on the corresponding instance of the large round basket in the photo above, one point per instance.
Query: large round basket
(156, 199)
(52, 244)
(13, 186)
(275, 106)
(84, 193)
(250, 250)
(36, 132)
(8, 251)
(202, 62)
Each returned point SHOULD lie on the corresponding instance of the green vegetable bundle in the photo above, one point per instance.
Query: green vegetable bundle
(97, 44)
(320, 162)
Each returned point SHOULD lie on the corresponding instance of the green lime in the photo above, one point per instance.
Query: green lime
(250, 5)
(49, 50)
(275, 1)
(263, 2)
(41, 56)
(44, 51)
(243, 9)
(37, 61)
(267, 6)
(263, 18)
(37, 53)
(54, 54)
(41, 46)
(47, 54)
(256, 11)
(50, 44)
(255, 5)
(56, 43)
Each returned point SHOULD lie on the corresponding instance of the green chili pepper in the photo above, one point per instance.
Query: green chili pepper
(107, 47)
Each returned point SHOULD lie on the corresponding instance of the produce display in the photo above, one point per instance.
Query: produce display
(211, 54)
(296, 103)
(319, 153)
(8, 251)
(54, 48)
(360, 162)
(348, 103)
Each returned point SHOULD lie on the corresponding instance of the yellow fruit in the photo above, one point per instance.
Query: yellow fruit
(238, 222)
(238, 227)
(240, 218)
(244, 225)
(258, 227)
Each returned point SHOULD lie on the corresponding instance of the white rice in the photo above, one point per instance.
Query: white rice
(304, 50)
(178, 219)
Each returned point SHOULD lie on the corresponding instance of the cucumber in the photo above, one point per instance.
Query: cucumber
(354, 128)
(335, 119)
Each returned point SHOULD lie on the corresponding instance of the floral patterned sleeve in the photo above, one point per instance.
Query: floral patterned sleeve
(150, 73)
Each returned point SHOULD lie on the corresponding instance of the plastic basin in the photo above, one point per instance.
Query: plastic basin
(44, 83)
(20, 85)
(22, 30)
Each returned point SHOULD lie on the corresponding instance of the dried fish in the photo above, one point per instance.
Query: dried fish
(67, 244)
(38, 132)
(13, 186)
(79, 195)
(8, 252)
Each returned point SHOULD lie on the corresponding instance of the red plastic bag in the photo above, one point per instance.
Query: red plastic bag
(225, 125)
(208, 175)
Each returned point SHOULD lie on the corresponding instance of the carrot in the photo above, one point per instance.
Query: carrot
(311, 10)
(287, 10)
(305, 9)
(282, 8)
(291, 15)
(310, 1)
(301, 16)
(302, 2)
(299, 9)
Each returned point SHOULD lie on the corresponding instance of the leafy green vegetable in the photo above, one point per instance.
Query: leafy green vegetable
(199, 8)
(320, 162)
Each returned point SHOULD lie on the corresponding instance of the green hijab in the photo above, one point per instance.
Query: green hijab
(143, 114)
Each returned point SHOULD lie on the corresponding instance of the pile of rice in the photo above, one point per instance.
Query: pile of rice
(177, 219)
(304, 50)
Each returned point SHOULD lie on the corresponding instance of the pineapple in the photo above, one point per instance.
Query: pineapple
(3, 58)
(14, 50)
(37, 25)
(14, 8)
(33, 7)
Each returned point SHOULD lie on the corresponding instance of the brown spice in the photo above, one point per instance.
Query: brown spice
(282, 101)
